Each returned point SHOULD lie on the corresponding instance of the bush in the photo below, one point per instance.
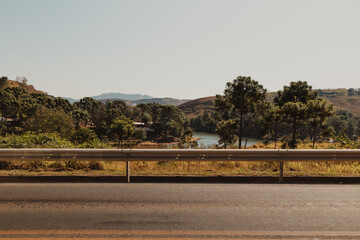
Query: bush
(3, 128)
(96, 165)
(83, 135)
(140, 134)
(34, 140)
(76, 165)
(96, 143)
(50, 121)
(4, 165)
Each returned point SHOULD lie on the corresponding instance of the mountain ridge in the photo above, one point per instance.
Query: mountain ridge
(124, 96)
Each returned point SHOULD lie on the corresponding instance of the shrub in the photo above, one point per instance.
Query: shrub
(50, 121)
(96, 143)
(76, 165)
(83, 135)
(96, 165)
(140, 134)
(34, 140)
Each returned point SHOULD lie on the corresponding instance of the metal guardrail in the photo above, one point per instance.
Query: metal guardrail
(129, 155)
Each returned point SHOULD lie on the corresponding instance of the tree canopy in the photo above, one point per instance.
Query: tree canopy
(241, 97)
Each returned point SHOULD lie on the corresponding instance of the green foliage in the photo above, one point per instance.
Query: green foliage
(140, 134)
(339, 92)
(64, 104)
(21, 111)
(187, 141)
(146, 118)
(51, 121)
(115, 109)
(297, 92)
(204, 123)
(316, 115)
(347, 143)
(83, 135)
(292, 102)
(294, 114)
(345, 124)
(3, 128)
(92, 107)
(241, 97)
(270, 120)
(80, 117)
(34, 140)
(9, 105)
(3, 82)
(121, 129)
(95, 143)
(28, 108)
(87, 104)
(227, 132)
(18, 92)
(167, 121)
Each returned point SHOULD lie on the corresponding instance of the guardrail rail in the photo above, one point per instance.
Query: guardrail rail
(129, 155)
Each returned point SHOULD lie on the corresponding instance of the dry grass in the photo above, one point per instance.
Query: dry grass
(192, 168)
(203, 169)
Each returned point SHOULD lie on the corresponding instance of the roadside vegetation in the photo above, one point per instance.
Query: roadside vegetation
(295, 117)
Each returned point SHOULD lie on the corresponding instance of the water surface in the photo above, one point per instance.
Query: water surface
(209, 139)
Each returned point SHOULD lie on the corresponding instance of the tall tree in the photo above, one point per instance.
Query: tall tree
(121, 129)
(316, 114)
(298, 91)
(292, 101)
(270, 120)
(240, 98)
(293, 113)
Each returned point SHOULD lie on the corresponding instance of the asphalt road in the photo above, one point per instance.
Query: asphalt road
(176, 211)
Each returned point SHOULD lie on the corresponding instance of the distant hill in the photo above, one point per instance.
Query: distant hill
(123, 96)
(350, 103)
(164, 101)
(114, 96)
(198, 106)
(72, 100)
(29, 88)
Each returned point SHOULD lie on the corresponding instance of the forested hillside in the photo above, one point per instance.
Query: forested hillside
(26, 113)
(198, 106)
(24, 110)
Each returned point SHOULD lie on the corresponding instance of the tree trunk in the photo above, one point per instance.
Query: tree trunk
(240, 130)
(314, 138)
(275, 138)
(293, 139)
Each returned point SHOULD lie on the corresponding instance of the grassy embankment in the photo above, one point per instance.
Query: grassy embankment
(190, 168)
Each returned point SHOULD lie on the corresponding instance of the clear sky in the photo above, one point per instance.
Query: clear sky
(182, 49)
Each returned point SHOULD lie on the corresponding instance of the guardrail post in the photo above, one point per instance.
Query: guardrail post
(127, 171)
(281, 172)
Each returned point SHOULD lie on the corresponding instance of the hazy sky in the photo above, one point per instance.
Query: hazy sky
(182, 49)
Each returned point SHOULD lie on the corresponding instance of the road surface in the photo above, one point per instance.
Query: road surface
(179, 211)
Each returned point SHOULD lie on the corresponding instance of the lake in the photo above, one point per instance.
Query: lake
(208, 139)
